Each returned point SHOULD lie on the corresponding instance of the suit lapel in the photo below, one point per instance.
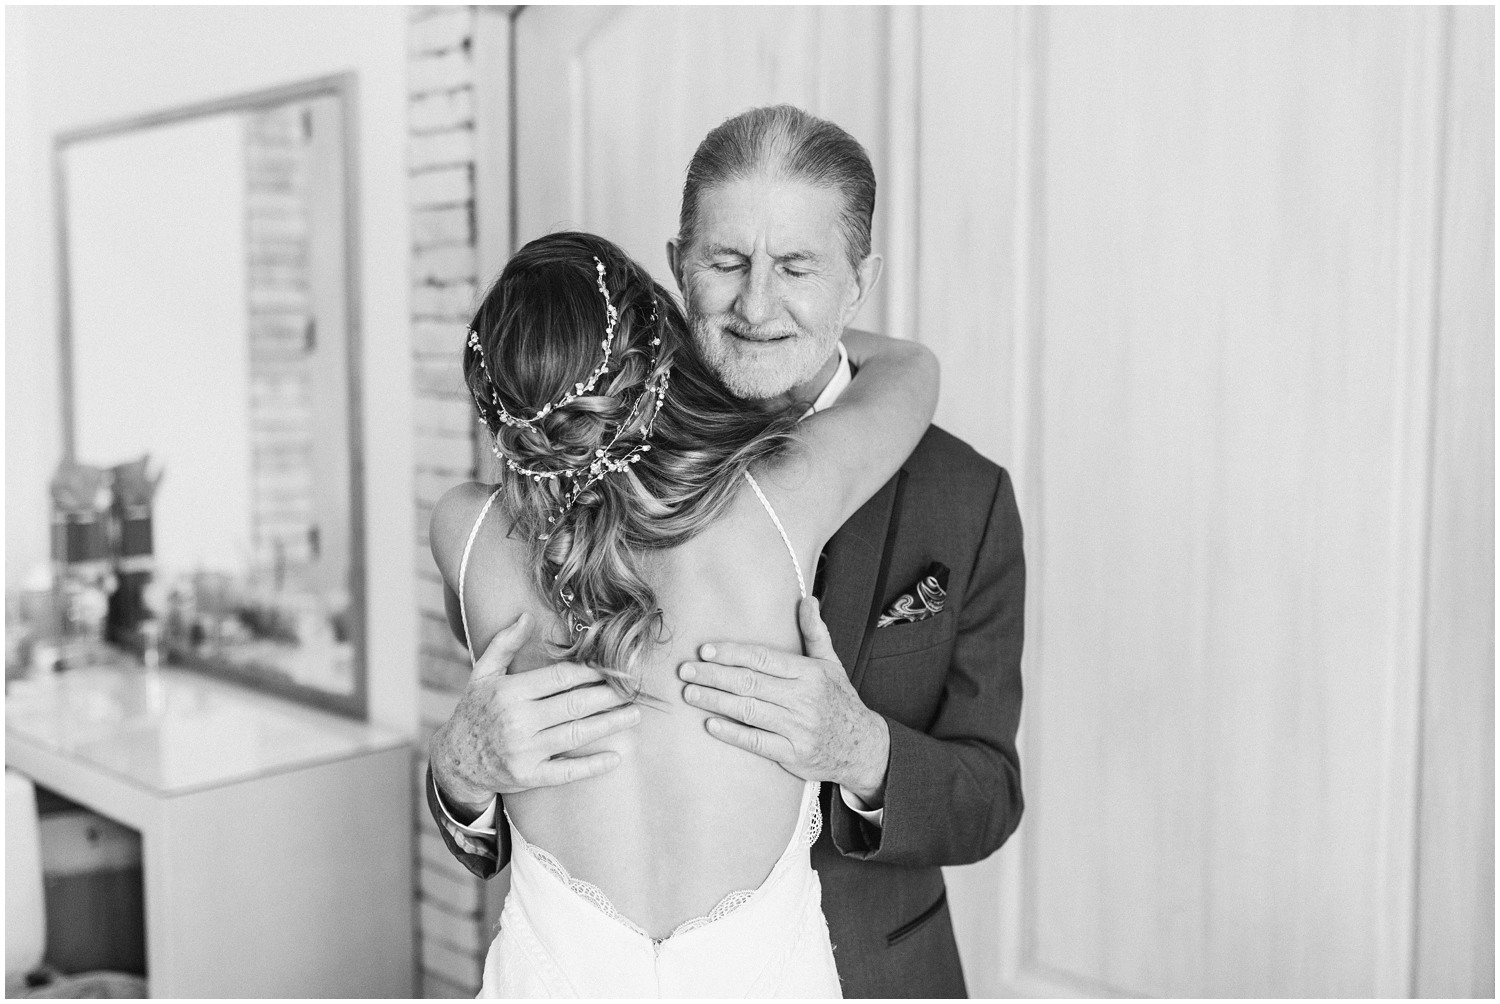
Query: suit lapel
(855, 566)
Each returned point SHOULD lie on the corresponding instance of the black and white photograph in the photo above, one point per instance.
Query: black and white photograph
(701, 501)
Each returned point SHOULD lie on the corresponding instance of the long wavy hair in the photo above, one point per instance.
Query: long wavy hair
(539, 331)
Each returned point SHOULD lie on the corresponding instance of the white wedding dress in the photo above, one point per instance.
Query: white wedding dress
(561, 937)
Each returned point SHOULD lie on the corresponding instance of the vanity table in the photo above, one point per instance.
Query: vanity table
(276, 838)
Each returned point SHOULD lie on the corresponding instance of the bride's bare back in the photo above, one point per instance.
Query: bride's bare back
(685, 819)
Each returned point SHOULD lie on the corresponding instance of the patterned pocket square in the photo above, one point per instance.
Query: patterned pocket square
(921, 601)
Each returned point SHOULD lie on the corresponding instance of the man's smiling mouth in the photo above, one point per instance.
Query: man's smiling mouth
(757, 339)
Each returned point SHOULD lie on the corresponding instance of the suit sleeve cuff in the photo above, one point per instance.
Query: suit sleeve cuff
(483, 826)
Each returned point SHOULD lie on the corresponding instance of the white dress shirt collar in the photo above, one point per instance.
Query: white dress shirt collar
(840, 380)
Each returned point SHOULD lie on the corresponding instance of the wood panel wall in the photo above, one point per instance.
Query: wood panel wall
(1455, 895)
(1237, 257)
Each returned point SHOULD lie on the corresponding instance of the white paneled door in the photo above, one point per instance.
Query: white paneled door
(1233, 344)
(1182, 267)
(612, 102)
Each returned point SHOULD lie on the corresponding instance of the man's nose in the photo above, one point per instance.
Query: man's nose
(757, 299)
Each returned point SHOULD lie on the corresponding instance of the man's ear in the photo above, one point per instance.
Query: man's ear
(865, 278)
(674, 262)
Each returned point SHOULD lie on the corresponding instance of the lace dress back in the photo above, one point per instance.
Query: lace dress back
(809, 826)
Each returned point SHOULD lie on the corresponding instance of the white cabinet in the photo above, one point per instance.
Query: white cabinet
(276, 839)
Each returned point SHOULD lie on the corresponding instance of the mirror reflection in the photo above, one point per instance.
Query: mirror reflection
(207, 324)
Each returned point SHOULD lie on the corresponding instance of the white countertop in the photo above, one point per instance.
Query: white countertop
(171, 731)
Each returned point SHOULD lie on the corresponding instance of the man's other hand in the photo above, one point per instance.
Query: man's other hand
(798, 710)
(510, 733)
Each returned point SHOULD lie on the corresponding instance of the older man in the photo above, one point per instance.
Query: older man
(909, 702)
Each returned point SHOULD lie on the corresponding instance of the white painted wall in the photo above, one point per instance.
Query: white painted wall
(68, 67)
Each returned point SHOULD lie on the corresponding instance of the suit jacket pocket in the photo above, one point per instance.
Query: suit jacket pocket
(912, 636)
(914, 925)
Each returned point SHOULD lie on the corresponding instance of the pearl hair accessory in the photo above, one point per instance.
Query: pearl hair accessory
(579, 389)
(602, 463)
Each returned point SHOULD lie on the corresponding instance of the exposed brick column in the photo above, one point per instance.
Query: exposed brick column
(454, 911)
(281, 337)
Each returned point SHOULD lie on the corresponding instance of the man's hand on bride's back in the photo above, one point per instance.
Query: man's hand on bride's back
(799, 710)
(510, 733)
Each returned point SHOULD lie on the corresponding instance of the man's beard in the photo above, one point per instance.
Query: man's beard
(760, 374)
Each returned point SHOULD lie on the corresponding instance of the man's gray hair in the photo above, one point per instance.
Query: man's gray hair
(783, 141)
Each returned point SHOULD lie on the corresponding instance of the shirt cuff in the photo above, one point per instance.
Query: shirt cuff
(481, 826)
(875, 817)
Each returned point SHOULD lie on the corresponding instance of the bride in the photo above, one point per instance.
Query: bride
(643, 510)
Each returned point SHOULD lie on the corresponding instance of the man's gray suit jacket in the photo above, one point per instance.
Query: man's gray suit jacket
(949, 688)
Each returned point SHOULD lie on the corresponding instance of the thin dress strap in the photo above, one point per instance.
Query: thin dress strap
(463, 569)
(797, 565)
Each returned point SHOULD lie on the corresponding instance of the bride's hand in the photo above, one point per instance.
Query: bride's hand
(511, 733)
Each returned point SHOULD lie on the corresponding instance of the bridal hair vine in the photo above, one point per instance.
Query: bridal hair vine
(602, 462)
(579, 389)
